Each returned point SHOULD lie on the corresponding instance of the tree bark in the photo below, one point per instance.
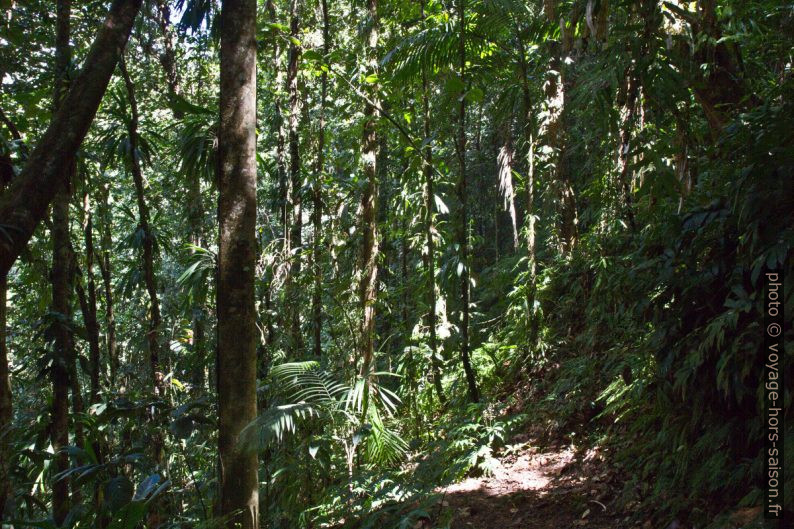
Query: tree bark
(106, 243)
(504, 162)
(368, 284)
(529, 126)
(153, 333)
(237, 331)
(558, 93)
(721, 90)
(6, 401)
(430, 228)
(463, 220)
(89, 307)
(62, 371)
(167, 57)
(294, 197)
(195, 218)
(317, 195)
(26, 202)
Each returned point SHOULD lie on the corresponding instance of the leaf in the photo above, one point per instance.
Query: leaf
(312, 55)
(454, 86)
(118, 493)
(182, 427)
(146, 487)
(475, 95)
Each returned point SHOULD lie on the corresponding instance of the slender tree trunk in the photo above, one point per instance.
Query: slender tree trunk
(295, 184)
(167, 57)
(153, 333)
(558, 92)
(26, 202)
(317, 196)
(463, 221)
(195, 216)
(529, 125)
(6, 403)
(281, 271)
(496, 228)
(237, 332)
(430, 228)
(89, 309)
(624, 167)
(64, 347)
(106, 243)
(368, 285)
(60, 276)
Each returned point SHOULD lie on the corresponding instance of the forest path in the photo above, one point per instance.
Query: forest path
(556, 488)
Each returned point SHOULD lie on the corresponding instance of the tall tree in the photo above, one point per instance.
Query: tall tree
(463, 215)
(168, 56)
(237, 331)
(25, 204)
(61, 279)
(528, 127)
(558, 94)
(6, 403)
(88, 300)
(317, 192)
(430, 228)
(147, 236)
(294, 195)
(368, 283)
(105, 267)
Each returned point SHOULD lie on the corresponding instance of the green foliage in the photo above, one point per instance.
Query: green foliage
(664, 133)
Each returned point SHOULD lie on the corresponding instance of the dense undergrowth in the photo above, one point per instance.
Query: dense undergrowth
(479, 227)
(651, 347)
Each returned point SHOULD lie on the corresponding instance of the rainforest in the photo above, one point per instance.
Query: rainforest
(396, 264)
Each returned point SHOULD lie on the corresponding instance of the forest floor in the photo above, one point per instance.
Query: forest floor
(557, 487)
(553, 488)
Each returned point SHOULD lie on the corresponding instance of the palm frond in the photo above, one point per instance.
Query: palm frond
(274, 424)
(306, 381)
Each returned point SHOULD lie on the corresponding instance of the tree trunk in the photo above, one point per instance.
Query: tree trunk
(6, 403)
(368, 285)
(504, 161)
(558, 93)
(168, 58)
(63, 346)
(529, 126)
(720, 88)
(294, 197)
(106, 243)
(153, 333)
(430, 228)
(629, 113)
(317, 195)
(237, 331)
(26, 202)
(89, 308)
(195, 217)
(61, 279)
(463, 221)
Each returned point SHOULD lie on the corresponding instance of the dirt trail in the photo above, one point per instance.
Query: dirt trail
(551, 489)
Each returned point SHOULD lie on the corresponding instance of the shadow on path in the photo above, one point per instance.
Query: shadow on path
(553, 489)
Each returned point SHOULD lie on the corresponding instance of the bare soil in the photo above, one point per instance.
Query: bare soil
(555, 488)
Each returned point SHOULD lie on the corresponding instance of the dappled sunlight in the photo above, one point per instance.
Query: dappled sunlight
(546, 489)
